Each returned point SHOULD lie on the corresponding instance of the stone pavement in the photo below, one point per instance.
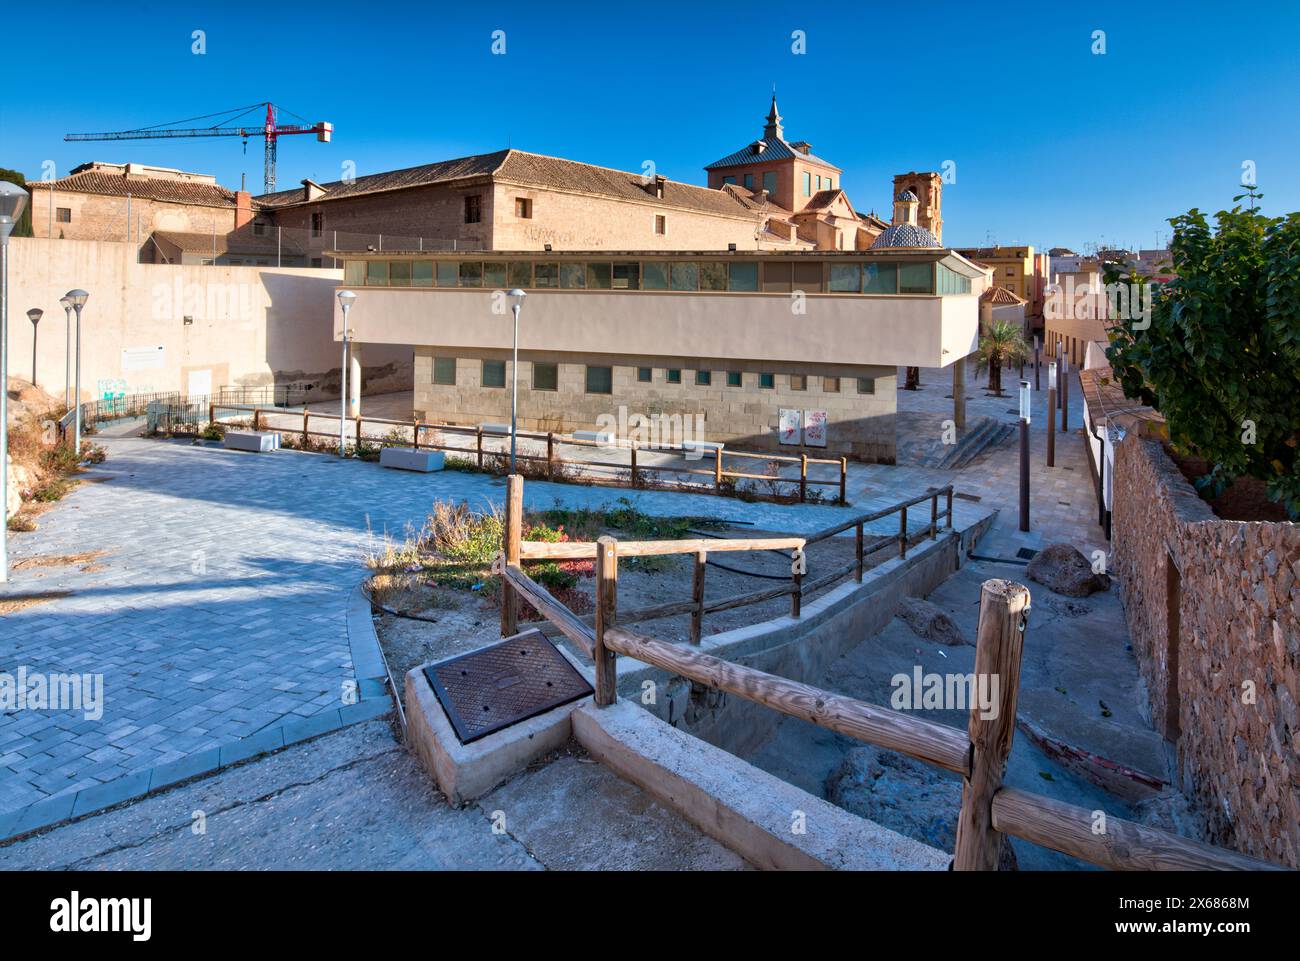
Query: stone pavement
(218, 612)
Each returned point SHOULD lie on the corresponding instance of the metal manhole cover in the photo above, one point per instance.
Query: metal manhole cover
(1026, 553)
(492, 688)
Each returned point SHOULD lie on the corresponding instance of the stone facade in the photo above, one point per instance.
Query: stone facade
(1213, 607)
(746, 417)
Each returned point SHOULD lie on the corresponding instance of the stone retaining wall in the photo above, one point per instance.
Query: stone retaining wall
(1237, 623)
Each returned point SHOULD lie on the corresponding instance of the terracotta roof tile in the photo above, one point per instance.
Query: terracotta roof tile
(1000, 295)
(144, 188)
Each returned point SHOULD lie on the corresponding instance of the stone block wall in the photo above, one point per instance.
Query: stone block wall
(1230, 704)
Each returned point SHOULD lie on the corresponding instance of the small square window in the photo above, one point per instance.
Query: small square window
(831, 385)
(767, 381)
(866, 385)
(473, 209)
(661, 224)
(798, 382)
(600, 380)
(494, 373)
(63, 215)
(673, 375)
(523, 208)
(546, 377)
(733, 378)
(644, 375)
(444, 371)
(703, 378)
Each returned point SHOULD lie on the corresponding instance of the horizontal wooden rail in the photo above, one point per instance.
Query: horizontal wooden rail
(570, 624)
(934, 743)
(876, 515)
(1124, 845)
(581, 550)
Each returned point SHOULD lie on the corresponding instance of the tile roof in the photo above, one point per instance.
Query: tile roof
(143, 188)
(242, 241)
(823, 199)
(1000, 295)
(460, 168)
(776, 149)
(905, 235)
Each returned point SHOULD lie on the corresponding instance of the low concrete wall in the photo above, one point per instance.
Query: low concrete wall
(1222, 663)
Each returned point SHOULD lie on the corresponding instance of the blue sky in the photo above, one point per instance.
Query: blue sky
(1052, 144)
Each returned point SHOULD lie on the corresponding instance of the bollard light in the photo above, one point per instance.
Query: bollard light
(34, 315)
(78, 300)
(67, 351)
(1051, 375)
(1024, 401)
(346, 297)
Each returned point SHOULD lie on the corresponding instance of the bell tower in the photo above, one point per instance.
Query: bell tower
(928, 188)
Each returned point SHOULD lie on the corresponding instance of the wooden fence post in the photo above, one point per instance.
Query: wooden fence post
(803, 478)
(950, 507)
(415, 432)
(1000, 638)
(634, 463)
(606, 614)
(257, 419)
(550, 455)
(902, 532)
(513, 534)
(478, 435)
(844, 479)
(796, 598)
(934, 516)
(717, 470)
(358, 435)
(697, 596)
(212, 413)
(306, 436)
(858, 539)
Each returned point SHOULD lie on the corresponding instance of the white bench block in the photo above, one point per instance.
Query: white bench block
(602, 437)
(408, 458)
(703, 445)
(256, 441)
(495, 429)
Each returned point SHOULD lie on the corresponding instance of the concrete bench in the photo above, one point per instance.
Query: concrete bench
(495, 429)
(408, 458)
(250, 440)
(604, 438)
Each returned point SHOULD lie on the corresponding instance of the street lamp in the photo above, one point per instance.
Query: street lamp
(34, 315)
(78, 298)
(13, 199)
(67, 351)
(517, 296)
(1024, 455)
(346, 297)
(1051, 413)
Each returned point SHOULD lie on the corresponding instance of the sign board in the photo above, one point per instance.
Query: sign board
(789, 426)
(814, 428)
(144, 358)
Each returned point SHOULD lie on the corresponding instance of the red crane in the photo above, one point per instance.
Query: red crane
(271, 129)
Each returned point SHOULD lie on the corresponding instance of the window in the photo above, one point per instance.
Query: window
(520, 274)
(422, 273)
(494, 275)
(767, 381)
(546, 275)
(829, 184)
(627, 276)
(600, 380)
(399, 273)
(866, 385)
(473, 209)
(846, 278)
(703, 378)
(63, 215)
(654, 275)
(951, 282)
(742, 276)
(749, 181)
(377, 273)
(546, 377)
(808, 277)
(598, 276)
(733, 378)
(673, 375)
(354, 272)
(523, 208)
(494, 373)
(444, 371)
(686, 276)
(713, 275)
(880, 279)
(831, 385)
(807, 184)
(798, 382)
(769, 181)
(819, 182)
(572, 276)
(644, 375)
(728, 180)
(317, 223)
(661, 224)
(259, 229)
(471, 273)
(916, 278)
(447, 272)
(776, 277)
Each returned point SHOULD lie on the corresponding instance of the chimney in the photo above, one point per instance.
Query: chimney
(803, 146)
(759, 146)
(655, 186)
(243, 208)
(311, 190)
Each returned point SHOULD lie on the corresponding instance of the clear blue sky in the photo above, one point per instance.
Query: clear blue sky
(1053, 145)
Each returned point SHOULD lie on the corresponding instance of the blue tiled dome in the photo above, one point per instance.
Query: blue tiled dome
(907, 195)
(905, 235)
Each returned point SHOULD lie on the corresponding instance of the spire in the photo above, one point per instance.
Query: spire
(774, 130)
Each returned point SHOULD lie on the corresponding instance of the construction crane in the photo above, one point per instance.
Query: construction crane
(271, 129)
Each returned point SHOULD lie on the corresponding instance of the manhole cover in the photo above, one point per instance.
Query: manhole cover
(962, 496)
(509, 682)
(1027, 553)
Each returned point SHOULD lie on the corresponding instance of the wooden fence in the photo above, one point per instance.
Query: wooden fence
(550, 465)
(988, 810)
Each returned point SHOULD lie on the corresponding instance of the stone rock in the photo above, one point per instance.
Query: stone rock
(13, 499)
(1062, 569)
(896, 792)
(929, 621)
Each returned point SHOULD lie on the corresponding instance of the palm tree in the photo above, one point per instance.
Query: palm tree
(1003, 344)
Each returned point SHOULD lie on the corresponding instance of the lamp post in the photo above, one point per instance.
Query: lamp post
(1051, 413)
(517, 296)
(67, 351)
(78, 299)
(345, 301)
(13, 199)
(34, 315)
(1024, 455)
(1065, 393)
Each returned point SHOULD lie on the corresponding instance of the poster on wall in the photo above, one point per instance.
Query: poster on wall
(814, 428)
(789, 426)
(143, 358)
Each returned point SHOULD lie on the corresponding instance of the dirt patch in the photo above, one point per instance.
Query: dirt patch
(84, 560)
(1246, 499)
(13, 603)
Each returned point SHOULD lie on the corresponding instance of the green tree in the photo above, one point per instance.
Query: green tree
(24, 226)
(1003, 344)
(1221, 357)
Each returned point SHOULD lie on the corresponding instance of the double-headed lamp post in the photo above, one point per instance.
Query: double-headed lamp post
(13, 199)
(34, 315)
(78, 299)
(346, 297)
(517, 296)
(67, 351)
(1024, 454)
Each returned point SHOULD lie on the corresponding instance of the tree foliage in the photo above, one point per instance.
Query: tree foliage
(24, 226)
(1221, 358)
(1003, 344)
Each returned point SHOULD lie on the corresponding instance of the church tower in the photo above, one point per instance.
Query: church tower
(928, 188)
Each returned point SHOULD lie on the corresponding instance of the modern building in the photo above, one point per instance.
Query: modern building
(1020, 270)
